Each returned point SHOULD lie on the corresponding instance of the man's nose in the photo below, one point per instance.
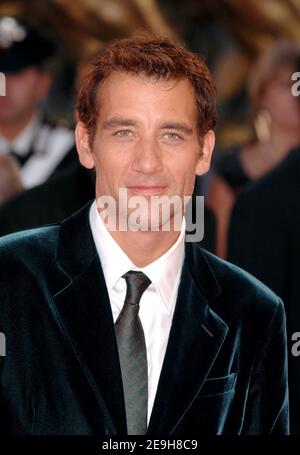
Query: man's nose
(147, 157)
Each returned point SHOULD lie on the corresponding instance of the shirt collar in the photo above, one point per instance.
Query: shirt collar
(22, 143)
(164, 272)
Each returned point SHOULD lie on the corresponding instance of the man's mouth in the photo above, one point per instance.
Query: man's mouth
(147, 190)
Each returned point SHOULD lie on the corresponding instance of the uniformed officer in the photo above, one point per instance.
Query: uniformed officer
(38, 147)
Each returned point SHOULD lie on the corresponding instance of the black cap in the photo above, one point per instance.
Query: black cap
(22, 45)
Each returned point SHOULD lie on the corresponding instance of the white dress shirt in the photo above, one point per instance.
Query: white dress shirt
(158, 301)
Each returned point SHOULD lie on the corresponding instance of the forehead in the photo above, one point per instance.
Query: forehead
(123, 90)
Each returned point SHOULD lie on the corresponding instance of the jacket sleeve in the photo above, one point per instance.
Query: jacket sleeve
(267, 406)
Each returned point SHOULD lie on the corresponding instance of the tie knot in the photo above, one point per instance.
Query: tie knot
(137, 283)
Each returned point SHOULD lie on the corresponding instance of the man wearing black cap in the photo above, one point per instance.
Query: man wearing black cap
(37, 147)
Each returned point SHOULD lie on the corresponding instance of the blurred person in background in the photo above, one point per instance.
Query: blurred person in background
(276, 117)
(31, 148)
(264, 239)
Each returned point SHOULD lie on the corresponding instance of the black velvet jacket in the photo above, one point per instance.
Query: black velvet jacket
(224, 371)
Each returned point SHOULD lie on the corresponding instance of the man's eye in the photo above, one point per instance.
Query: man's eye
(123, 133)
(172, 136)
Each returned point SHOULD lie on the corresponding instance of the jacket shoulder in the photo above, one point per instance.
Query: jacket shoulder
(28, 243)
(241, 288)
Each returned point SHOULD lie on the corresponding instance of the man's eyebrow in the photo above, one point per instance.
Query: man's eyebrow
(184, 127)
(124, 121)
(118, 121)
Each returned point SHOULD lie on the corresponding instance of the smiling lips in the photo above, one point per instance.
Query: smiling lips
(147, 190)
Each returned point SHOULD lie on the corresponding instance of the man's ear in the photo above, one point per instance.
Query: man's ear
(85, 154)
(203, 162)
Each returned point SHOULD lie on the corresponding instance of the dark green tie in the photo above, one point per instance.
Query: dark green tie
(133, 355)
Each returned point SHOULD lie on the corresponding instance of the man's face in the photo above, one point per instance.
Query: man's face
(146, 138)
(24, 90)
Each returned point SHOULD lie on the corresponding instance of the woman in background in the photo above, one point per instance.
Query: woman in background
(276, 118)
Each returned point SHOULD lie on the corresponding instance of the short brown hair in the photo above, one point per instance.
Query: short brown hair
(153, 56)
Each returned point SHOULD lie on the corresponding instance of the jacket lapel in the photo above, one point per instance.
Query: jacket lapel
(195, 338)
(85, 313)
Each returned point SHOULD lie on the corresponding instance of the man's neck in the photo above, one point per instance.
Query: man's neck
(144, 247)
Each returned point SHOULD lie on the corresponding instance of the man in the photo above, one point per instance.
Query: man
(264, 238)
(38, 147)
(113, 323)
